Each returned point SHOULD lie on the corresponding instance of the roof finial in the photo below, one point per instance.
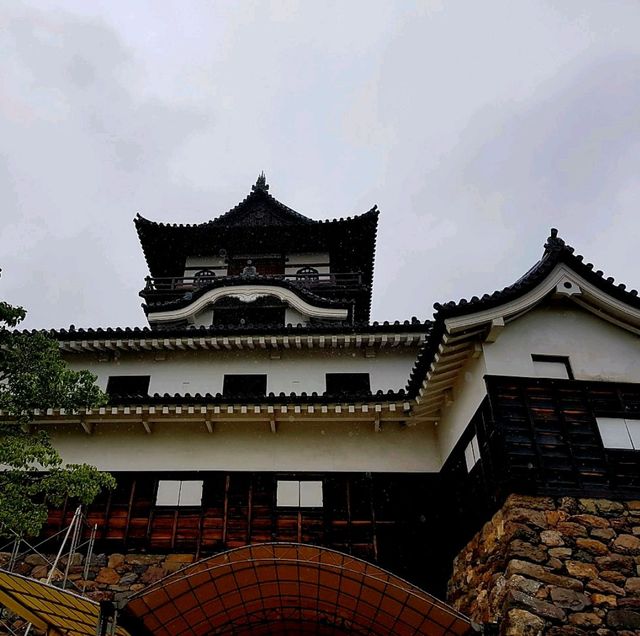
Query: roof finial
(261, 183)
(554, 242)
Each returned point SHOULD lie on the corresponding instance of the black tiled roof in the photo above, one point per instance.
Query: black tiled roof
(271, 398)
(259, 225)
(556, 251)
(128, 333)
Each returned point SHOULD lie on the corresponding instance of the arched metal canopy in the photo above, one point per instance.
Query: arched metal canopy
(286, 589)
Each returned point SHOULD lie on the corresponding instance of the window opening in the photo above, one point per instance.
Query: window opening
(249, 385)
(307, 273)
(292, 493)
(619, 433)
(472, 453)
(552, 366)
(204, 277)
(172, 492)
(348, 383)
(125, 385)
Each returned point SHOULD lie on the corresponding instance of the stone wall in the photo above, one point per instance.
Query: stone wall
(553, 566)
(109, 577)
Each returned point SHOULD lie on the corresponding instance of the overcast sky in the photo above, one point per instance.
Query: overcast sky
(474, 126)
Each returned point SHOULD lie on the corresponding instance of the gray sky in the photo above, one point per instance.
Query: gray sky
(475, 126)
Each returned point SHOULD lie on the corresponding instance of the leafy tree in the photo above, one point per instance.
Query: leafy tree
(32, 474)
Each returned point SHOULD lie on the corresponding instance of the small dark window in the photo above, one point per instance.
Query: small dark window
(348, 383)
(552, 366)
(245, 385)
(125, 385)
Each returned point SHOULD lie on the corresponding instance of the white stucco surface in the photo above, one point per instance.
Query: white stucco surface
(468, 394)
(330, 446)
(597, 349)
(205, 262)
(295, 370)
(318, 260)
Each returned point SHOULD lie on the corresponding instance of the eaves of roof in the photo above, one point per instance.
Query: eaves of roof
(354, 332)
(556, 251)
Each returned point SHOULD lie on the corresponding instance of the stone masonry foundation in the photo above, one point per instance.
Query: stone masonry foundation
(546, 566)
(109, 577)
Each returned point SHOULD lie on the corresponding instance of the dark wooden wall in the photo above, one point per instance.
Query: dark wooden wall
(539, 436)
(391, 519)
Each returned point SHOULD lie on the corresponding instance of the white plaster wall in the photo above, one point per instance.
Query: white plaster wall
(597, 349)
(468, 394)
(293, 317)
(203, 262)
(342, 446)
(203, 318)
(296, 261)
(295, 370)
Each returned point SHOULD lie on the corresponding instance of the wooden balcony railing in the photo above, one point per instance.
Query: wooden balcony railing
(317, 281)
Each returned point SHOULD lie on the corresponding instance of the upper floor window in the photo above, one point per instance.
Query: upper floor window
(241, 385)
(348, 383)
(307, 273)
(203, 277)
(299, 494)
(173, 492)
(123, 385)
(617, 432)
(552, 366)
(472, 453)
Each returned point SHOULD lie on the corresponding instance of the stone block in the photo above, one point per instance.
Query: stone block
(555, 564)
(617, 562)
(560, 553)
(632, 586)
(520, 622)
(626, 544)
(592, 545)
(527, 516)
(523, 584)
(598, 585)
(571, 529)
(604, 600)
(604, 534)
(143, 559)
(582, 570)
(591, 521)
(537, 606)
(35, 559)
(107, 576)
(522, 550)
(585, 619)
(513, 530)
(529, 501)
(115, 560)
(539, 573)
(569, 599)
(613, 576)
(552, 538)
(623, 619)
(128, 578)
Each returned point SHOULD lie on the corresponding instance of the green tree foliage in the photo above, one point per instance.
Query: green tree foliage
(32, 473)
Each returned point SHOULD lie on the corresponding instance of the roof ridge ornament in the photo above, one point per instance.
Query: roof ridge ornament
(554, 242)
(261, 183)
